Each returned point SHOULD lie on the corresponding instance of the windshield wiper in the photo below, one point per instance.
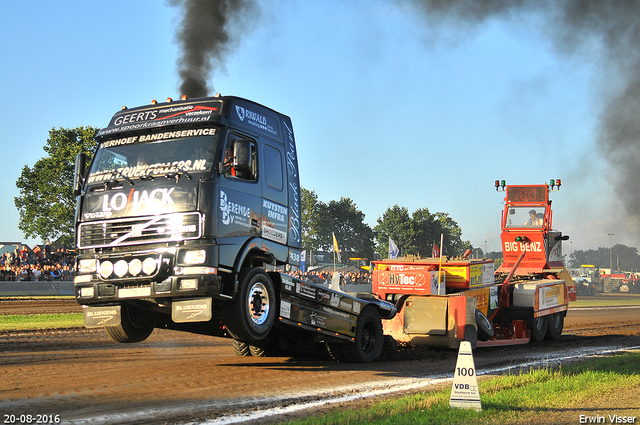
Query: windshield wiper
(177, 174)
(116, 174)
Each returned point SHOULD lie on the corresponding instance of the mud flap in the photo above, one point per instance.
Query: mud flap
(434, 321)
(462, 321)
(425, 315)
(194, 310)
(99, 317)
(572, 290)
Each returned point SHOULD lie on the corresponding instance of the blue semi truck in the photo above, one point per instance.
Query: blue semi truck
(187, 216)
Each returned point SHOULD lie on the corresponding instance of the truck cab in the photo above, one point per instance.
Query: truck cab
(526, 228)
(180, 209)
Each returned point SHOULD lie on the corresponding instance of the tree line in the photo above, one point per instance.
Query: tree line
(414, 234)
(621, 257)
(46, 205)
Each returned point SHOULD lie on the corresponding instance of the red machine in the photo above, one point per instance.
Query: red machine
(442, 301)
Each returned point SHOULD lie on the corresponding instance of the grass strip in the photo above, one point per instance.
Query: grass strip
(604, 303)
(36, 297)
(21, 322)
(535, 396)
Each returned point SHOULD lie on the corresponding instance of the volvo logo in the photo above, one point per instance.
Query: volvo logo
(240, 112)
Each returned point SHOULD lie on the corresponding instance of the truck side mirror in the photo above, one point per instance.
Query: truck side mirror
(78, 175)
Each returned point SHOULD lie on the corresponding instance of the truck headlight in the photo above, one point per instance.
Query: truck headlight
(188, 284)
(86, 292)
(106, 268)
(196, 256)
(87, 265)
(135, 267)
(148, 266)
(121, 268)
(83, 278)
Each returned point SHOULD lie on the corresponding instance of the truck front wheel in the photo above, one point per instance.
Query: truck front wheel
(135, 325)
(251, 315)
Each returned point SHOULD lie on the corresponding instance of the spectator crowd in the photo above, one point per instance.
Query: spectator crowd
(43, 264)
(38, 264)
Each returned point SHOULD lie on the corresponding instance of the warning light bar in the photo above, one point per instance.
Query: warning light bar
(555, 183)
(500, 184)
(522, 239)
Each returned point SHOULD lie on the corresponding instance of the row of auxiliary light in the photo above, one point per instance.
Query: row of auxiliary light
(502, 184)
(169, 100)
(120, 268)
(136, 266)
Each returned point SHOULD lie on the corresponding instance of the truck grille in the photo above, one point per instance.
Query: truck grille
(140, 230)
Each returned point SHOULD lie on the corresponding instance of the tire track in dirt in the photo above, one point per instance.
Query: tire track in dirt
(172, 376)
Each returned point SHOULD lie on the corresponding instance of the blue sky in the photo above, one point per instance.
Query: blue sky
(387, 109)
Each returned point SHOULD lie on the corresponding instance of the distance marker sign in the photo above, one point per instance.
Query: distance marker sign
(464, 391)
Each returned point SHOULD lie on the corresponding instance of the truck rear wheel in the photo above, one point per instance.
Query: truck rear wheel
(538, 328)
(135, 325)
(554, 326)
(251, 315)
(241, 348)
(369, 340)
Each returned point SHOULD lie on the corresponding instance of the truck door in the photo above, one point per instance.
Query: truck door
(240, 194)
(275, 212)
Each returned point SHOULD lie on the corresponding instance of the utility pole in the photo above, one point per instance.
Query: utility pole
(610, 258)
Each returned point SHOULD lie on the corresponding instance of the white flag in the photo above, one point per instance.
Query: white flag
(393, 249)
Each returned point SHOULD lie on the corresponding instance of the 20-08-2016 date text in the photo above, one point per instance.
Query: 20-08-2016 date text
(30, 419)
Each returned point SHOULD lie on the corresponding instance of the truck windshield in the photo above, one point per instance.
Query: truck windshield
(524, 217)
(130, 159)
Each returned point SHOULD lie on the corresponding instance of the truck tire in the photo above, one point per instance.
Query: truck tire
(554, 326)
(251, 315)
(135, 325)
(241, 348)
(268, 347)
(369, 340)
(538, 327)
(485, 328)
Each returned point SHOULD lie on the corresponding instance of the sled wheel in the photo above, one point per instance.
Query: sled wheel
(369, 340)
(485, 328)
(538, 328)
(241, 348)
(251, 315)
(135, 325)
(554, 326)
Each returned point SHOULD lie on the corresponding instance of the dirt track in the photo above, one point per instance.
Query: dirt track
(85, 377)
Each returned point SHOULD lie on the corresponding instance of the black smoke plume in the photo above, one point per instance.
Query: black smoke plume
(605, 30)
(611, 27)
(207, 32)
